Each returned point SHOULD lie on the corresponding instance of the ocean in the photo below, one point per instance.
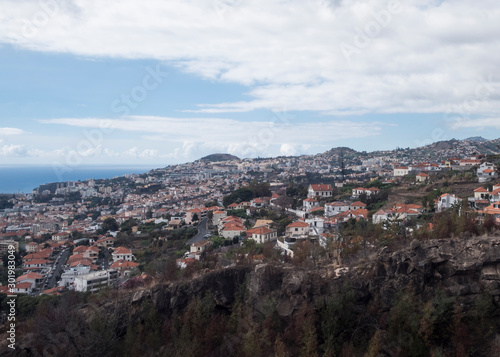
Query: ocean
(15, 179)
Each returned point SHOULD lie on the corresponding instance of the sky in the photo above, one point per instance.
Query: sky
(162, 82)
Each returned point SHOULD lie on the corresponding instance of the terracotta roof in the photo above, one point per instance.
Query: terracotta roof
(74, 257)
(53, 291)
(360, 212)
(25, 285)
(337, 204)
(201, 243)
(310, 200)
(34, 256)
(36, 261)
(321, 187)
(30, 275)
(93, 248)
(122, 250)
(298, 224)
(79, 249)
(194, 210)
(261, 230)
(124, 264)
(83, 261)
(234, 227)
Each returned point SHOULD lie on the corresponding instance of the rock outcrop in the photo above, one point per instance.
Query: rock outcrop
(461, 268)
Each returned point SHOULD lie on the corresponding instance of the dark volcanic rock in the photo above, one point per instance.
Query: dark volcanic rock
(462, 268)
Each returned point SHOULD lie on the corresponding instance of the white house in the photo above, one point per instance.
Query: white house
(446, 201)
(257, 203)
(199, 247)
(91, 253)
(23, 288)
(95, 281)
(356, 192)
(232, 230)
(334, 208)
(481, 193)
(487, 172)
(263, 234)
(494, 210)
(309, 203)
(191, 214)
(381, 216)
(401, 171)
(316, 225)
(422, 177)
(32, 247)
(32, 278)
(122, 253)
(298, 228)
(357, 205)
(69, 275)
(35, 264)
(218, 216)
(320, 190)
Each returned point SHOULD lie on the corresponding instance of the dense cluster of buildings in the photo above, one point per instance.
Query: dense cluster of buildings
(52, 218)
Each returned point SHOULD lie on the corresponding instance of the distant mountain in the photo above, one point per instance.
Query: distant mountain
(433, 152)
(476, 139)
(219, 157)
(339, 150)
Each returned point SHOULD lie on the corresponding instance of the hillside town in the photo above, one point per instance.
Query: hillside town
(87, 235)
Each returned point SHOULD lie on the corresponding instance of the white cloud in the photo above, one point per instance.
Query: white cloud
(233, 133)
(11, 131)
(475, 123)
(12, 150)
(287, 150)
(427, 56)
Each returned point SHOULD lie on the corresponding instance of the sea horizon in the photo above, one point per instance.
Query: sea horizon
(17, 178)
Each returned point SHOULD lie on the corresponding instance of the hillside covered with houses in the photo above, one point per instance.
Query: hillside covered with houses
(334, 214)
(211, 214)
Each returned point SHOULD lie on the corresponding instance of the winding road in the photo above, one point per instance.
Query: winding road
(202, 231)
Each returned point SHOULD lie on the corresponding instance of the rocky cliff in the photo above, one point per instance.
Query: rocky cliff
(462, 269)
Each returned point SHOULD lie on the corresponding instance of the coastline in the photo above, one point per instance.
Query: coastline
(25, 178)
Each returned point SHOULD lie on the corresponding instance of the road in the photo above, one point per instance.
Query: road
(105, 259)
(202, 230)
(57, 269)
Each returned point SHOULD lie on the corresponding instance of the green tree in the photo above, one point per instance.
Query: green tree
(109, 224)
(217, 241)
